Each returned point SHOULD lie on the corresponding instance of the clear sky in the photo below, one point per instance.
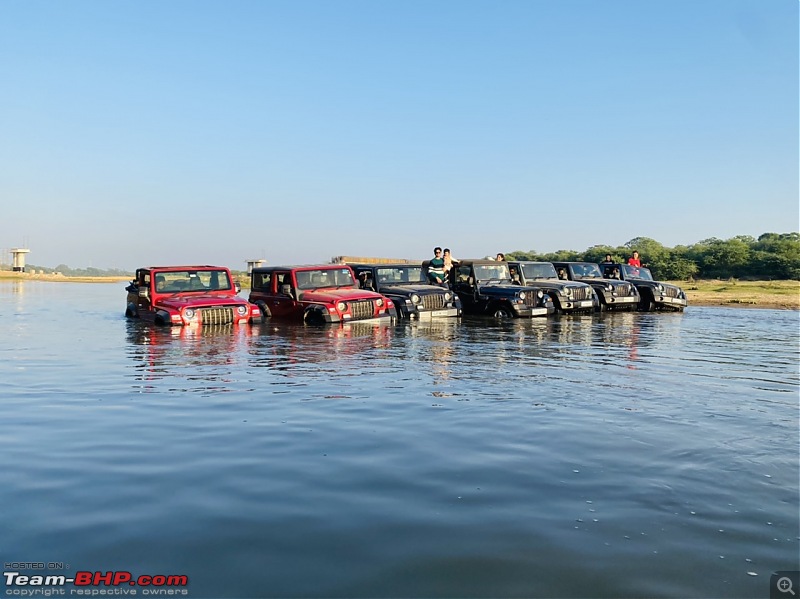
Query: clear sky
(188, 131)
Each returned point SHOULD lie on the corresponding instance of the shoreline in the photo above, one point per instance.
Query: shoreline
(768, 295)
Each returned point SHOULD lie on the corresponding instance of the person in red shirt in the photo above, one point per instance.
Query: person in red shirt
(634, 260)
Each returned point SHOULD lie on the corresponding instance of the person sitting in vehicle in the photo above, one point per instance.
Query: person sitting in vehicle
(365, 281)
(562, 274)
(634, 260)
(436, 268)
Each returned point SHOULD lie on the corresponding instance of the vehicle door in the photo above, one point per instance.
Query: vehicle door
(464, 284)
(144, 301)
(283, 299)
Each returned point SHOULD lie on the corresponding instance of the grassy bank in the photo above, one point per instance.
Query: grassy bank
(743, 294)
(7, 275)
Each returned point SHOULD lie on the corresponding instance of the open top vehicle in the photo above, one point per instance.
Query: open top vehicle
(405, 285)
(654, 295)
(613, 294)
(568, 296)
(187, 295)
(316, 295)
(485, 287)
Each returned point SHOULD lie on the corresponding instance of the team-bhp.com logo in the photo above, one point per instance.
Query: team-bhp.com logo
(119, 582)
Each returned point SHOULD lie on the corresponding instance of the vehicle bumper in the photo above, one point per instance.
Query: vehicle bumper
(670, 302)
(627, 301)
(441, 313)
(528, 312)
(577, 306)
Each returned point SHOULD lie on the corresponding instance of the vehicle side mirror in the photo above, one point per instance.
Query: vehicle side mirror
(286, 289)
(144, 292)
(237, 287)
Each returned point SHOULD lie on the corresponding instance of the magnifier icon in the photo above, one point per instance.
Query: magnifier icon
(784, 585)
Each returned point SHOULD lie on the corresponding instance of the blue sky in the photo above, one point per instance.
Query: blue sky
(137, 133)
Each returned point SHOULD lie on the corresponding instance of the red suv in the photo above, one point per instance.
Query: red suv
(188, 295)
(316, 295)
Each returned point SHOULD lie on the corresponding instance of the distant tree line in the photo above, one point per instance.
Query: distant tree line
(771, 256)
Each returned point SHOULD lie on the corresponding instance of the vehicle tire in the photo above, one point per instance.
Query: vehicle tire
(131, 312)
(646, 304)
(265, 313)
(313, 317)
(502, 313)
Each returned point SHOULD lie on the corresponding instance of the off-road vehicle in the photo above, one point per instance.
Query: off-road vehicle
(187, 295)
(316, 295)
(613, 294)
(404, 284)
(568, 296)
(654, 295)
(485, 287)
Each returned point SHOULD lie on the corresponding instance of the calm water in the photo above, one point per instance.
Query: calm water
(625, 455)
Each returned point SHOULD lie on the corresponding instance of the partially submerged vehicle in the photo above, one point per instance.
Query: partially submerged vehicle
(321, 294)
(486, 287)
(613, 294)
(568, 296)
(406, 286)
(654, 295)
(188, 295)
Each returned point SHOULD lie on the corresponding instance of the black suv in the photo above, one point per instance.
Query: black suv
(485, 287)
(568, 296)
(405, 286)
(613, 294)
(654, 294)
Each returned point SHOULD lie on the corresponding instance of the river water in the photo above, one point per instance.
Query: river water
(621, 455)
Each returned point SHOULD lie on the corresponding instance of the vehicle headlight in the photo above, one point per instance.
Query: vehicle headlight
(188, 313)
(540, 294)
(521, 295)
(609, 287)
(242, 310)
(341, 306)
(447, 296)
(415, 298)
(568, 292)
(379, 302)
(660, 288)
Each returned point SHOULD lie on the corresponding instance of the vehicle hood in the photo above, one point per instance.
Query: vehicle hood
(554, 284)
(202, 300)
(420, 289)
(503, 290)
(346, 294)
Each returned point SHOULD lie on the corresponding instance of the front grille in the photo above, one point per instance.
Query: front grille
(362, 309)
(532, 299)
(581, 293)
(216, 315)
(434, 301)
(670, 291)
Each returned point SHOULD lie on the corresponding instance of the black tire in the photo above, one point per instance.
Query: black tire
(313, 317)
(646, 304)
(502, 313)
(265, 313)
(131, 312)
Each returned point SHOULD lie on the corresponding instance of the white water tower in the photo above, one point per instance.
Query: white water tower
(18, 259)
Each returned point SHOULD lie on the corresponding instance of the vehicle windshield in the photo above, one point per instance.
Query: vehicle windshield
(328, 277)
(586, 270)
(636, 272)
(400, 275)
(538, 271)
(192, 280)
(488, 272)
